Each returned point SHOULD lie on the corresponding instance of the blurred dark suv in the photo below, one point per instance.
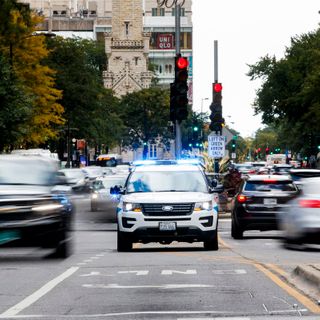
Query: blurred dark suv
(258, 201)
(30, 214)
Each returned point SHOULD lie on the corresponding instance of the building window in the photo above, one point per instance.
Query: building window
(160, 69)
(170, 68)
(127, 28)
(154, 12)
(182, 12)
(162, 12)
(152, 151)
(136, 60)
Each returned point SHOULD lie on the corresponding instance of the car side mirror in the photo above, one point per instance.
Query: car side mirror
(219, 188)
(213, 183)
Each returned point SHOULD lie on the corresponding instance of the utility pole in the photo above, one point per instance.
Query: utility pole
(177, 124)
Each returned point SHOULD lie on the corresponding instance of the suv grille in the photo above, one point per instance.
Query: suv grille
(167, 209)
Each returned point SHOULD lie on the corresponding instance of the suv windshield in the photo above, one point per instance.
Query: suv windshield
(170, 181)
(277, 186)
(25, 172)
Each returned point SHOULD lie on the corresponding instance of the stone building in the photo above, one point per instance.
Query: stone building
(127, 48)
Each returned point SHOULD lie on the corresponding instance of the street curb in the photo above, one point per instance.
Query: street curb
(310, 273)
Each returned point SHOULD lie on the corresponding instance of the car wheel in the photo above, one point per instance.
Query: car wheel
(94, 208)
(123, 244)
(212, 243)
(236, 231)
(63, 249)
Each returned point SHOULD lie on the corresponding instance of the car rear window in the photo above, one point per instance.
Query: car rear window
(264, 186)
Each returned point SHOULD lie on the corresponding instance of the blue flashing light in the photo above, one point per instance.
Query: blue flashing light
(144, 162)
(188, 161)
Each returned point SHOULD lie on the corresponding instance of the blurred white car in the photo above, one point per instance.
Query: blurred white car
(301, 220)
(101, 197)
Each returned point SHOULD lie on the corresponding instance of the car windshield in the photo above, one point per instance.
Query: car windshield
(277, 186)
(26, 172)
(108, 183)
(167, 181)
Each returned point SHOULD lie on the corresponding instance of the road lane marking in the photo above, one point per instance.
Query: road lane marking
(236, 271)
(277, 269)
(171, 272)
(136, 272)
(165, 286)
(308, 303)
(28, 301)
(223, 244)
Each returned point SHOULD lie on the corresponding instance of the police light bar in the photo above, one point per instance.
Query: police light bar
(188, 161)
(144, 162)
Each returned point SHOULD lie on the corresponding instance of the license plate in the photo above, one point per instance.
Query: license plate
(270, 201)
(167, 226)
(9, 235)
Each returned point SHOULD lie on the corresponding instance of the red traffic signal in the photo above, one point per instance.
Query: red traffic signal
(217, 87)
(182, 63)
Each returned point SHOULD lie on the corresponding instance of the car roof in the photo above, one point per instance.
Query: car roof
(167, 167)
(263, 177)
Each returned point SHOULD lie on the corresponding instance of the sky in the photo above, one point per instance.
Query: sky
(246, 30)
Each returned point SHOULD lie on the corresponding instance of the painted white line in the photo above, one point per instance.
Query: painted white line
(236, 271)
(28, 301)
(171, 272)
(166, 286)
(100, 255)
(88, 260)
(137, 273)
(81, 263)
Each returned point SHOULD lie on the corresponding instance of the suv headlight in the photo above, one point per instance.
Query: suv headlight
(94, 195)
(128, 206)
(207, 205)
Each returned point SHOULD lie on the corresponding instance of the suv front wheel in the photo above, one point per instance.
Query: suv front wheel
(212, 243)
(123, 244)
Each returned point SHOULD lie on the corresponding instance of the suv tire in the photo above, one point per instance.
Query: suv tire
(212, 243)
(236, 231)
(123, 244)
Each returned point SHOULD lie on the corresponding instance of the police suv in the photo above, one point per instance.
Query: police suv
(166, 201)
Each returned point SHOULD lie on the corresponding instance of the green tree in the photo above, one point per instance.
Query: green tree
(15, 108)
(145, 115)
(289, 97)
(26, 51)
(90, 109)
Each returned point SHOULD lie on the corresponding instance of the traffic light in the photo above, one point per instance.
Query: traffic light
(267, 150)
(233, 146)
(179, 90)
(217, 121)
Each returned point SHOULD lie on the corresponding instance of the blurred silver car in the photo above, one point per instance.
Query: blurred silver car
(101, 197)
(301, 220)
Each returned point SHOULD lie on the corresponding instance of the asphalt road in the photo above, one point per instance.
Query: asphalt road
(244, 280)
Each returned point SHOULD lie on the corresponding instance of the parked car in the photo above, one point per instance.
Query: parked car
(300, 221)
(101, 197)
(31, 214)
(259, 199)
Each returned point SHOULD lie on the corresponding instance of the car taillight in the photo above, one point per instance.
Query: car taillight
(242, 198)
(309, 203)
(252, 171)
(270, 180)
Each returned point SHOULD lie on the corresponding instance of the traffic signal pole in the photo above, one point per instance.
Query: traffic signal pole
(177, 124)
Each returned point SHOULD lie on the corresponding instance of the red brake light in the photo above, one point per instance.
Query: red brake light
(270, 180)
(241, 198)
(309, 203)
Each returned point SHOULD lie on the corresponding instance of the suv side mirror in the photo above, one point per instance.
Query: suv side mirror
(219, 188)
(116, 190)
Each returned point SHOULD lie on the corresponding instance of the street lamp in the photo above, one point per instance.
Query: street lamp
(202, 103)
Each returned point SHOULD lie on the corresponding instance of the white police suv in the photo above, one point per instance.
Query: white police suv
(165, 201)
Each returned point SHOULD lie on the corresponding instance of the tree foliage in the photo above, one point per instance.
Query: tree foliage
(289, 97)
(145, 115)
(26, 50)
(90, 109)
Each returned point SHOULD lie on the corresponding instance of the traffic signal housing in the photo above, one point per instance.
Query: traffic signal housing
(217, 121)
(233, 145)
(179, 90)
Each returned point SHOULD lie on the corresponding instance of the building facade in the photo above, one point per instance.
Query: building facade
(138, 35)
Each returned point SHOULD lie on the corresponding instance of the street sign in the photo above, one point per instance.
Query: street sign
(233, 155)
(216, 146)
(228, 134)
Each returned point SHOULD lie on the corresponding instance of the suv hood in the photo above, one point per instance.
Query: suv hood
(167, 197)
(9, 191)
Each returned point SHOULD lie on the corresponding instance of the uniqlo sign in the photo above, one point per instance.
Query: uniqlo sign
(165, 41)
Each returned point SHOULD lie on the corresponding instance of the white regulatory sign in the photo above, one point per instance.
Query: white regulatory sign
(216, 146)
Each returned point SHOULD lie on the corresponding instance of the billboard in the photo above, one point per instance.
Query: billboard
(165, 42)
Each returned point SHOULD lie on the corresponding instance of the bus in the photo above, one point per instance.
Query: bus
(108, 160)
